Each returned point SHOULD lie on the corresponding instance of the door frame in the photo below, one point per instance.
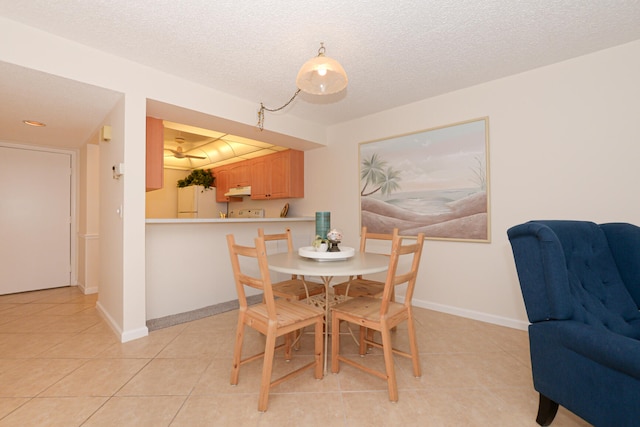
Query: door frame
(73, 232)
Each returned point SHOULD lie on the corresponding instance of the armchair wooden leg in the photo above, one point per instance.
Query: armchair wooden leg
(547, 410)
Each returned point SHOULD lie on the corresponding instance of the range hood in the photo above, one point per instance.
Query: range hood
(239, 191)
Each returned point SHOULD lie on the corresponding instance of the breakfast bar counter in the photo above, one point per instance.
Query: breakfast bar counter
(187, 260)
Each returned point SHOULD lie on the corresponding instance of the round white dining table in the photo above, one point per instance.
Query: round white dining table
(359, 264)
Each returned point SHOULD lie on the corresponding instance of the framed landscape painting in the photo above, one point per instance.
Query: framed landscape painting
(434, 181)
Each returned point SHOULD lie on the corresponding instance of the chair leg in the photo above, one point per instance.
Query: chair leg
(335, 343)
(364, 332)
(288, 344)
(547, 410)
(413, 345)
(388, 363)
(237, 351)
(370, 333)
(319, 349)
(393, 299)
(265, 382)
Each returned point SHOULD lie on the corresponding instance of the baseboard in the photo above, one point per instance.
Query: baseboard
(176, 319)
(134, 334)
(470, 314)
(124, 336)
(87, 290)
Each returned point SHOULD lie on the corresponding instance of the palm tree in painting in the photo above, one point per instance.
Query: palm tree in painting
(375, 173)
(480, 176)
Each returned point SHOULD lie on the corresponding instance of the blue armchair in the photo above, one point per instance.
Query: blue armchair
(581, 287)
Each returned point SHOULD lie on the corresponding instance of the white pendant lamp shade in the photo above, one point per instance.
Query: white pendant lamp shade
(321, 76)
(318, 76)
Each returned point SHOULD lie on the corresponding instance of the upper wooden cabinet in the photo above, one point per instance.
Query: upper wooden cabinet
(239, 174)
(155, 154)
(278, 176)
(222, 175)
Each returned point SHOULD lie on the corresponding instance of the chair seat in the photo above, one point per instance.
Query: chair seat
(359, 288)
(367, 308)
(288, 312)
(295, 289)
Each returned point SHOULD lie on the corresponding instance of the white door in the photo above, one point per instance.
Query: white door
(35, 219)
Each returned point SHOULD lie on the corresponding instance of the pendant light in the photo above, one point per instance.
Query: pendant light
(320, 75)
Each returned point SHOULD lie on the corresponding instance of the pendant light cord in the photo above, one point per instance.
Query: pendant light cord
(263, 109)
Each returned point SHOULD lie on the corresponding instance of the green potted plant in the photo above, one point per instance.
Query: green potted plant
(198, 177)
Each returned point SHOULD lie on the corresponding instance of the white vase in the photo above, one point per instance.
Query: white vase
(322, 247)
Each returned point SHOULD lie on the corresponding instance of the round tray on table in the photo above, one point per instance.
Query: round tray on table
(310, 252)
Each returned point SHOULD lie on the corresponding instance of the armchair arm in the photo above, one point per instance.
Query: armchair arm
(609, 349)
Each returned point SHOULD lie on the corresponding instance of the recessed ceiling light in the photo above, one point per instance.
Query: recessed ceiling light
(34, 123)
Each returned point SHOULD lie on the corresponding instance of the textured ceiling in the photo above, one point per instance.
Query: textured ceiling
(394, 52)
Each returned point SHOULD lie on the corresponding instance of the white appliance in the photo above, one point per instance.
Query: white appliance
(238, 191)
(246, 213)
(196, 202)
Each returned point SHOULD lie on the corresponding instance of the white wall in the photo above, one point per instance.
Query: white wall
(564, 144)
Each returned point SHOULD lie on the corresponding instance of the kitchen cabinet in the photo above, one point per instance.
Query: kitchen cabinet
(223, 176)
(239, 174)
(155, 154)
(278, 176)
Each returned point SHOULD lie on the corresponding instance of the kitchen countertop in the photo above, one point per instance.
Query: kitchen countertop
(224, 220)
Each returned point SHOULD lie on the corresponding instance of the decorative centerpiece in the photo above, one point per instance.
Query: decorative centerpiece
(320, 244)
(334, 236)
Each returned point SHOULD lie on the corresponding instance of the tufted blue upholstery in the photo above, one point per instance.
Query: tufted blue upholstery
(581, 286)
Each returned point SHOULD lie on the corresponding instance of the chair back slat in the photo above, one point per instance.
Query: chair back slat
(394, 278)
(366, 236)
(242, 279)
(286, 237)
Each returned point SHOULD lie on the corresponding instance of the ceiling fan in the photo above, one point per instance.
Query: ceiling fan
(179, 154)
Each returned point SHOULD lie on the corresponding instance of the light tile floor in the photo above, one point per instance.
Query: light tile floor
(61, 365)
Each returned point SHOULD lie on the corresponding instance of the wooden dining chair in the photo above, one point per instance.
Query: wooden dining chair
(272, 318)
(293, 289)
(358, 286)
(382, 314)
